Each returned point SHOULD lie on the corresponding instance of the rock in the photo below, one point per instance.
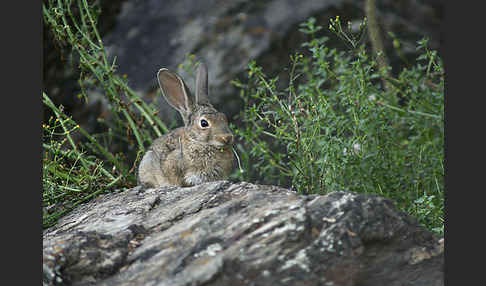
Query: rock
(220, 232)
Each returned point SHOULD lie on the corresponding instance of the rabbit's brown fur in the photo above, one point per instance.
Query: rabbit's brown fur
(192, 154)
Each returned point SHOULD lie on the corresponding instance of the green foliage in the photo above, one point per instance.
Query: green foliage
(335, 127)
(77, 165)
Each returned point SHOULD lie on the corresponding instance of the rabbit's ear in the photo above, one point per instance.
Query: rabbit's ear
(175, 92)
(202, 92)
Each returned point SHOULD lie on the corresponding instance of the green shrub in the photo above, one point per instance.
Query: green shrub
(336, 128)
(77, 165)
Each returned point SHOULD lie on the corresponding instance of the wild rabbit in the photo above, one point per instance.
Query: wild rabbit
(198, 152)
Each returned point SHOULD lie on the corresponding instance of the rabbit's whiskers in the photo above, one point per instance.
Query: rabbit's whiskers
(237, 159)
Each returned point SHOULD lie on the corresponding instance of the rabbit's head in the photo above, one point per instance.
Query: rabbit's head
(203, 123)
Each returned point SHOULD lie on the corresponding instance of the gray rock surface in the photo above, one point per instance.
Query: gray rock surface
(152, 34)
(221, 233)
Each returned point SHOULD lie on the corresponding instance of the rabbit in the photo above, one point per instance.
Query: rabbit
(198, 152)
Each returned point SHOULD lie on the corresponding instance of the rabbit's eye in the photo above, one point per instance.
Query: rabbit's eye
(204, 123)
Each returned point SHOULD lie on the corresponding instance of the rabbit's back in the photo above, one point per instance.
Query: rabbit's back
(153, 170)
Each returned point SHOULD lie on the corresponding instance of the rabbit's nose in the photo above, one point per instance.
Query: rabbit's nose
(226, 139)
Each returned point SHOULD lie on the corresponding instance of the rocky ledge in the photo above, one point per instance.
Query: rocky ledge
(223, 233)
